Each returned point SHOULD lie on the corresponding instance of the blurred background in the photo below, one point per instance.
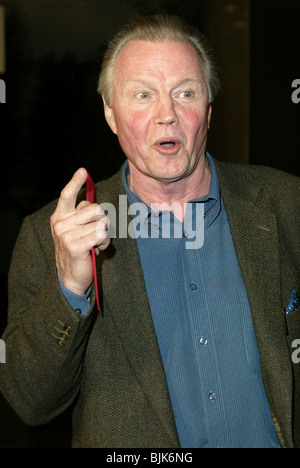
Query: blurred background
(52, 121)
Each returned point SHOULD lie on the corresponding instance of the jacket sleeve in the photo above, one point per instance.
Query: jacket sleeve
(45, 338)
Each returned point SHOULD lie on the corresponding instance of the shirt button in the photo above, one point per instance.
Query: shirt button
(79, 311)
(186, 234)
(212, 396)
(193, 286)
(203, 341)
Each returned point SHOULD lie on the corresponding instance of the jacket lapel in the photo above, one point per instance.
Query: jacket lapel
(123, 283)
(255, 235)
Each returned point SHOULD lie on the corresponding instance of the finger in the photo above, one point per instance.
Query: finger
(104, 244)
(68, 196)
(79, 222)
(96, 237)
(79, 246)
(82, 205)
(87, 214)
(83, 238)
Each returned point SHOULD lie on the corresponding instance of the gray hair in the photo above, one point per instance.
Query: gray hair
(158, 28)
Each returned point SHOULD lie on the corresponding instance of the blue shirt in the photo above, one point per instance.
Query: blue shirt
(204, 326)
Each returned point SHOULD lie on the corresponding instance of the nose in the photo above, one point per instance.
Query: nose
(165, 113)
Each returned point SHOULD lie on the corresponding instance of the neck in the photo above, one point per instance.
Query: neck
(174, 194)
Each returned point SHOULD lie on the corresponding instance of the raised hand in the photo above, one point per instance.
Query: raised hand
(75, 230)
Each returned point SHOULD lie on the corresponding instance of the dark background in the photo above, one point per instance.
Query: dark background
(53, 122)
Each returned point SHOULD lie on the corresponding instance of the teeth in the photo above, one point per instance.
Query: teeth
(168, 144)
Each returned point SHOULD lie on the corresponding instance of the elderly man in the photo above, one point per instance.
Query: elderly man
(192, 346)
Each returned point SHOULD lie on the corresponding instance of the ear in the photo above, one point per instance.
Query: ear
(109, 115)
(209, 115)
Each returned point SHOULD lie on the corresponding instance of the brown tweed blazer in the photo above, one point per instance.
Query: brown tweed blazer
(108, 364)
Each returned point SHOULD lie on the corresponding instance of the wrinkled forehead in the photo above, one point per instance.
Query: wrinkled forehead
(153, 58)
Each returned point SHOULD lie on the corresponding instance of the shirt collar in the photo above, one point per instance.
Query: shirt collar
(212, 200)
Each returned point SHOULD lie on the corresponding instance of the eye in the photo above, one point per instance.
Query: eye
(186, 94)
(143, 95)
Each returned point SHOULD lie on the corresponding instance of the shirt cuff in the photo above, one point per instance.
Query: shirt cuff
(81, 304)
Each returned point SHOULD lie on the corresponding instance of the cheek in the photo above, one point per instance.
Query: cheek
(195, 124)
(139, 125)
(133, 127)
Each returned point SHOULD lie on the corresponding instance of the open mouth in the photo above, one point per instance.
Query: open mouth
(168, 146)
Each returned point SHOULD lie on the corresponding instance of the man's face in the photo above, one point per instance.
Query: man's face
(160, 108)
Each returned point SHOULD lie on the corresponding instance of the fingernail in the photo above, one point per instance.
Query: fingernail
(81, 172)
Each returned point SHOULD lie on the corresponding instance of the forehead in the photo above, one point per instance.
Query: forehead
(160, 59)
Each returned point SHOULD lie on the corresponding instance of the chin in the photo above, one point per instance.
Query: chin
(170, 169)
(169, 176)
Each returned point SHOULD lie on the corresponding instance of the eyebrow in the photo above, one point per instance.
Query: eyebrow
(150, 85)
